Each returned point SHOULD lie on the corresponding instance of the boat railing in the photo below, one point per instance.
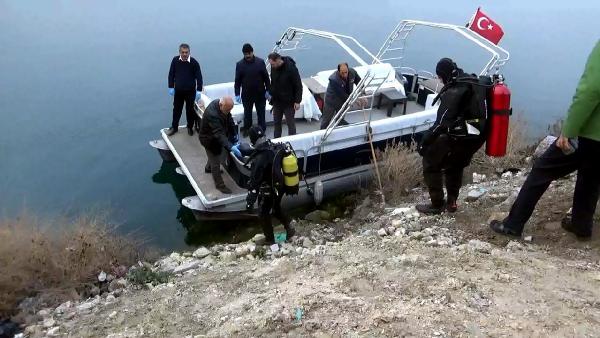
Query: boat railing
(393, 49)
(292, 38)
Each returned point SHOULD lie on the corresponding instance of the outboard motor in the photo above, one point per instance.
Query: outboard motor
(497, 138)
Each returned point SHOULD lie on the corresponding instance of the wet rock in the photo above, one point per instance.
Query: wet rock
(480, 246)
(475, 194)
(259, 239)
(201, 252)
(186, 266)
(382, 232)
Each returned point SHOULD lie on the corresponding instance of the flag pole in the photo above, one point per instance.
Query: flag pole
(472, 18)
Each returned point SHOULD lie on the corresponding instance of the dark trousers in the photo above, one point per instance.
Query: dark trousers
(188, 97)
(270, 204)
(278, 112)
(554, 164)
(214, 162)
(328, 114)
(259, 102)
(445, 160)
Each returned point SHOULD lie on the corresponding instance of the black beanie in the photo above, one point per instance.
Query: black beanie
(444, 69)
(247, 48)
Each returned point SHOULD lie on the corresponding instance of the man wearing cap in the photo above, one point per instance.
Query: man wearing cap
(252, 79)
(445, 147)
(261, 186)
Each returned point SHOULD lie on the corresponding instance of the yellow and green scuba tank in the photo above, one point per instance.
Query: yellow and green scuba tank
(286, 176)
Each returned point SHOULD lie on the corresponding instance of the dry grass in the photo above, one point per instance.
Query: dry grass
(401, 170)
(516, 151)
(54, 260)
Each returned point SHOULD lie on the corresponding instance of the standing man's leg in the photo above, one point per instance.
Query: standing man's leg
(190, 113)
(290, 114)
(552, 165)
(282, 217)
(460, 157)
(433, 163)
(277, 117)
(260, 103)
(265, 205)
(178, 101)
(587, 187)
(248, 103)
(214, 161)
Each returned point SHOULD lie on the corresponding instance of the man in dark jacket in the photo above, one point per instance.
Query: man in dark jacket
(286, 92)
(341, 84)
(217, 132)
(449, 145)
(252, 78)
(185, 85)
(261, 187)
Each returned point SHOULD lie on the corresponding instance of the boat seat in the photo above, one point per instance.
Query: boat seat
(392, 97)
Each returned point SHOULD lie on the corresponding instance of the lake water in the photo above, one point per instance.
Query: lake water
(83, 88)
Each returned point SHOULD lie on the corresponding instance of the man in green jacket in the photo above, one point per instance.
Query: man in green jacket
(577, 148)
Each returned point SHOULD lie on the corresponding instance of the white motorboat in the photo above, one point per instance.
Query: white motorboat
(337, 159)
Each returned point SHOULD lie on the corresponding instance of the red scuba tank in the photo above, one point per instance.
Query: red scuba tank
(497, 138)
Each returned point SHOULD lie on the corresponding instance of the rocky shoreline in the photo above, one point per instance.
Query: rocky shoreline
(382, 272)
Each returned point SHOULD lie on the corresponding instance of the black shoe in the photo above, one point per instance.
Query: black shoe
(499, 227)
(451, 205)
(190, 131)
(171, 131)
(224, 190)
(568, 226)
(244, 132)
(429, 209)
(290, 232)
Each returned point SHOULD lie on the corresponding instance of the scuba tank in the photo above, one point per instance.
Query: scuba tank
(497, 138)
(289, 166)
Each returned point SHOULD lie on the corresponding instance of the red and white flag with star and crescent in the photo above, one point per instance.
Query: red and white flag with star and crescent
(486, 27)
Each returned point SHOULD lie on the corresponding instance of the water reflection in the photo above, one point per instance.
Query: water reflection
(201, 232)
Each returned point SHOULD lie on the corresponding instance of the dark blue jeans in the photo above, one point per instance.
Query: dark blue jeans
(552, 165)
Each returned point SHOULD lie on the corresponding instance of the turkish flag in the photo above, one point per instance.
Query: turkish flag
(486, 27)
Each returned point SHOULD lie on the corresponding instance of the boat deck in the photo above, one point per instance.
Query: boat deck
(192, 157)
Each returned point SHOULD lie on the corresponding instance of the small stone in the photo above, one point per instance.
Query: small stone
(543, 145)
(382, 232)
(187, 254)
(201, 252)
(62, 308)
(259, 239)
(397, 223)
(189, 265)
(480, 246)
(307, 243)
(102, 277)
(50, 322)
(416, 235)
(53, 331)
(87, 305)
(400, 232)
(242, 250)
(475, 194)
(507, 175)
(427, 239)
(274, 247)
(514, 246)
(299, 250)
(227, 256)
(478, 178)
(44, 312)
(390, 230)
(112, 314)
(528, 239)
(400, 211)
